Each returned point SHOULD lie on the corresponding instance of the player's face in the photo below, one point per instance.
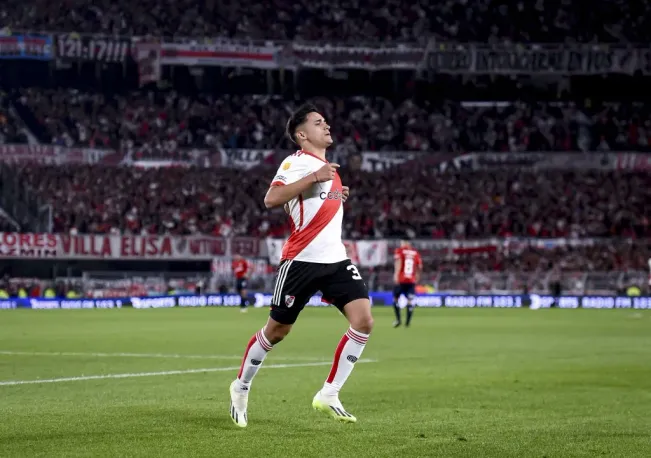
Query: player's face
(317, 130)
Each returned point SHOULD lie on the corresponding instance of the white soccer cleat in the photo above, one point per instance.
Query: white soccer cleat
(239, 403)
(244, 310)
(331, 406)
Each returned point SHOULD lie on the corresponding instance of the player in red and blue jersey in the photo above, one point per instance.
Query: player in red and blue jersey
(407, 269)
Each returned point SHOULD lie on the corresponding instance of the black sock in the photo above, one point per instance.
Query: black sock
(243, 302)
(410, 311)
(397, 310)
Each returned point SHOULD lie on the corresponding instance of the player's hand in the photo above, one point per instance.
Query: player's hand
(345, 190)
(327, 172)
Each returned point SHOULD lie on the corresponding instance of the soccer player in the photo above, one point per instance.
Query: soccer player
(240, 268)
(406, 274)
(313, 259)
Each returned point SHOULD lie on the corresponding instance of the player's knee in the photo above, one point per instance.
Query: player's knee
(275, 332)
(362, 324)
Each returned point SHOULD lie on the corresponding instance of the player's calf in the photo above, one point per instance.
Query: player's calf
(410, 310)
(259, 345)
(348, 352)
(396, 310)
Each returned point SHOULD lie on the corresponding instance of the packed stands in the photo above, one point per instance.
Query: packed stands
(402, 202)
(163, 124)
(336, 20)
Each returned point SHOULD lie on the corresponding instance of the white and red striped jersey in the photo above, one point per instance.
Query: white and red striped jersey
(315, 215)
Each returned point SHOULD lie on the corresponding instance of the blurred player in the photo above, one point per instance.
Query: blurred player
(313, 259)
(241, 269)
(406, 274)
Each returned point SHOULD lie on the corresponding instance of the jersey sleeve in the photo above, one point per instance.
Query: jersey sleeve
(419, 260)
(396, 254)
(290, 171)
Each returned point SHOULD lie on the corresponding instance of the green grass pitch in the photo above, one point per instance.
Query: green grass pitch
(459, 383)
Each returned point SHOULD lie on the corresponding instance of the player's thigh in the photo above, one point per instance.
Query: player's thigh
(409, 290)
(294, 286)
(345, 288)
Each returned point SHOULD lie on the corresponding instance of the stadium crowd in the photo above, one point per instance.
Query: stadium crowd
(163, 124)
(403, 202)
(9, 125)
(369, 21)
(603, 256)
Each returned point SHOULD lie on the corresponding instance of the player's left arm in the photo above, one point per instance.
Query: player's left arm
(419, 269)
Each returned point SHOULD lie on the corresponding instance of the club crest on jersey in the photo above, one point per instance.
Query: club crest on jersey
(332, 195)
(287, 165)
(289, 300)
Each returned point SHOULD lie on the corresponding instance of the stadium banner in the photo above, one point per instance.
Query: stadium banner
(372, 253)
(103, 246)
(534, 301)
(351, 251)
(528, 59)
(221, 54)
(379, 161)
(26, 47)
(358, 57)
(245, 158)
(51, 154)
(364, 253)
(548, 160)
(147, 57)
(74, 47)
(274, 250)
(633, 162)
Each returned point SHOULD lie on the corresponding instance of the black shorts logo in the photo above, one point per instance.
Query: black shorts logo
(352, 359)
(256, 362)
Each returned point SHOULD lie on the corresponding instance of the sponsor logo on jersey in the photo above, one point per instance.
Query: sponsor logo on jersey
(332, 195)
(352, 359)
(289, 300)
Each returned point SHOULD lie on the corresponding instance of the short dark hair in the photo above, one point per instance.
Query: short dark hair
(297, 118)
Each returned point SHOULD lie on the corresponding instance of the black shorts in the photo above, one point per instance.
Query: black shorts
(406, 289)
(297, 281)
(240, 284)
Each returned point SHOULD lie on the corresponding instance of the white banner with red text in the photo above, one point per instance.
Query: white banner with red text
(143, 247)
(367, 253)
(221, 54)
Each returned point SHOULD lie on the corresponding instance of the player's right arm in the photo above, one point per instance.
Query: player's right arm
(287, 184)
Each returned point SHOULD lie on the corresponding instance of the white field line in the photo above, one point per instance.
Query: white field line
(148, 355)
(153, 374)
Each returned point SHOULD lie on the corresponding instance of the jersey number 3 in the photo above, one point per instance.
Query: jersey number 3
(353, 269)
